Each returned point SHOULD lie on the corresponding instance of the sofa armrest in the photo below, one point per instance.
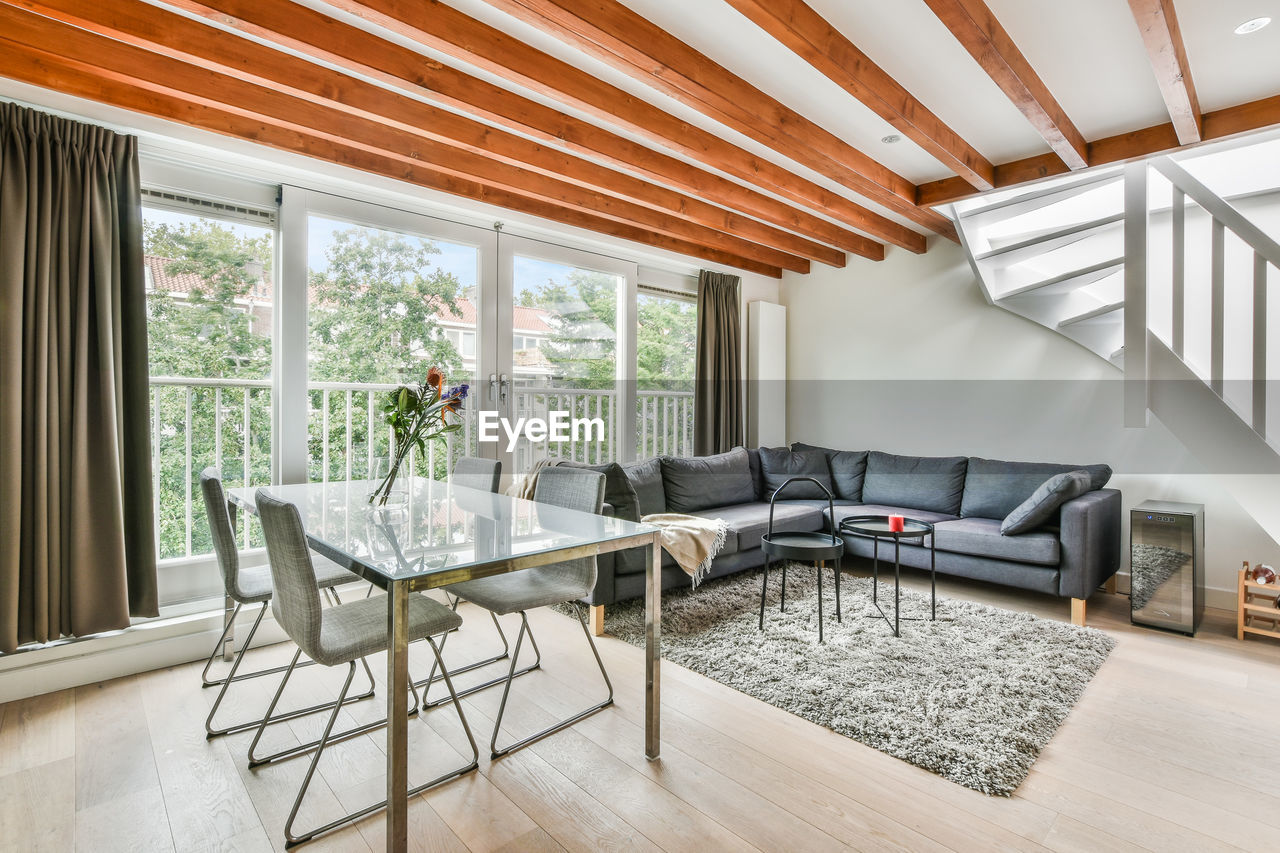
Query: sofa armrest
(1090, 540)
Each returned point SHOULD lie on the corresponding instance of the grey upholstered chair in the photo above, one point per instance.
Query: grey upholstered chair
(559, 583)
(334, 636)
(250, 586)
(476, 473)
(483, 475)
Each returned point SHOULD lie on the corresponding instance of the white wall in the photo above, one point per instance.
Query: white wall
(905, 356)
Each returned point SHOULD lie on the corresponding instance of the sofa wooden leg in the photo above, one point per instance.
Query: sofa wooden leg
(597, 620)
(1078, 611)
(1110, 585)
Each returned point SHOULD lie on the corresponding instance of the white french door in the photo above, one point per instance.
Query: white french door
(566, 349)
(371, 297)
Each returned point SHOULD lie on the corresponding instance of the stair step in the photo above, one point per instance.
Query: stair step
(1092, 314)
(1071, 280)
(1039, 245)
(1028, 202)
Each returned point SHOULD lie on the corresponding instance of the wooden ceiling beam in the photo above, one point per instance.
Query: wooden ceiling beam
(1158, 23)
(349, 147)
(1148, 142)
(142, 25)
(321, 37)
(976, 28)
(639, 48)
(807, 34)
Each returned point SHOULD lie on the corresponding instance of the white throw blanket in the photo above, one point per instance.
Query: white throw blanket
(692, 541)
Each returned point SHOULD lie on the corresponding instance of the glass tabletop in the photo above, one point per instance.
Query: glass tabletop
(878, 525)
(429, 526)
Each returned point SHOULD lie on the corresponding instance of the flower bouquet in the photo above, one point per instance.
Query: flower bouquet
(417, 414)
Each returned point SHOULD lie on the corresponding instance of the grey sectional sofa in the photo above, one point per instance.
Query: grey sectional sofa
(1070, 555)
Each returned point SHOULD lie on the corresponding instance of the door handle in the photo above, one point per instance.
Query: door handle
(493, 386)
(504, 386)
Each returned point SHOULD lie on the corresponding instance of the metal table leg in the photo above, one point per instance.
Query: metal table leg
(652, 649)
(397, 718)
(897, 583)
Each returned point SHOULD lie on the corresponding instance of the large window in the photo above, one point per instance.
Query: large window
(271, 347)
(209, 306)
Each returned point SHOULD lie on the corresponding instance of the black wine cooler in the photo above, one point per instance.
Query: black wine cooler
(1166, 564)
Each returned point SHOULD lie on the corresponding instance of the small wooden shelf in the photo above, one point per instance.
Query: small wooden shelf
(1257, 606)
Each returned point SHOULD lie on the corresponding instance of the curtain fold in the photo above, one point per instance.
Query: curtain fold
(77, 541)
(719, 421)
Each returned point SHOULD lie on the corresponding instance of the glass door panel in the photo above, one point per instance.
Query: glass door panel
(384, 306)
(666, 350)
(565, 357)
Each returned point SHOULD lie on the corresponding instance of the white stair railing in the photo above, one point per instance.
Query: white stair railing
(1145, 287)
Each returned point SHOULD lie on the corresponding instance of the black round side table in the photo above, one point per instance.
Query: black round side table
(813, 547)
(876, 527)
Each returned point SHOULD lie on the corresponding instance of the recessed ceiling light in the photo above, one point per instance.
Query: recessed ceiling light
(1252, 26)
(890, 139)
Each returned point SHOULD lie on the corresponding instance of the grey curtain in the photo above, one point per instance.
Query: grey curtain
(77, 552)
(719, 421)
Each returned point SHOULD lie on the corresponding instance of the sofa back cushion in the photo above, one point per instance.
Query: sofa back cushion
(1041, 504)
(618, 491)
(993, 488)
(848, 469)
(778, 464)
(933, 483)
(703, 482)
(757, 473)
(646, 479)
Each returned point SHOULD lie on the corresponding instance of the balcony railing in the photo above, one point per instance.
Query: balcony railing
(227, 423)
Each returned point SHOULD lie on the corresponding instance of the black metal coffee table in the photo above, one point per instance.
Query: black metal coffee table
(876, 527)
(806, 546)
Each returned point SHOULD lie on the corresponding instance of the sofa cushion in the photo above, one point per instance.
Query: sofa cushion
(703, 482)
(646, 479)
(848, 468)
(981, 537)
(748, 522)
(932, 483)
(757, 474)
(618, 491)
(777, 465)
(993, 487)
(1044, 502)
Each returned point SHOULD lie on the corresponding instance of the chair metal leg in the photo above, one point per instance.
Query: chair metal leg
(494, 751)
(326, 740)
(493, 682)
(432, 678)
(269, 719)
(206, 681)
(232, 677)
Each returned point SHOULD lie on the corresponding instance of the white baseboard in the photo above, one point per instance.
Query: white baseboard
(1219, 599)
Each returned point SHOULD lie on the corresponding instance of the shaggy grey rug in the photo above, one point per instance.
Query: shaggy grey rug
(1152, 565)
(973, 697)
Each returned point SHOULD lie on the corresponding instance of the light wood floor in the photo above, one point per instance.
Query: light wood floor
(1175, 746)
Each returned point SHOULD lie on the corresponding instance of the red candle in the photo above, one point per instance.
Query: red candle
(896, 523)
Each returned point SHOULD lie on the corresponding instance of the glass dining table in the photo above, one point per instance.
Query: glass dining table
(432, 534)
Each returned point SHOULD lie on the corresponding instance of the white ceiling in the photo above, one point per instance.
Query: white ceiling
(1088, 52)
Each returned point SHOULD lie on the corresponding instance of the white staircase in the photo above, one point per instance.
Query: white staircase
(1170, 270)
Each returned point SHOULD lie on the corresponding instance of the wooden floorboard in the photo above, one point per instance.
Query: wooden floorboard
(1171, 748)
